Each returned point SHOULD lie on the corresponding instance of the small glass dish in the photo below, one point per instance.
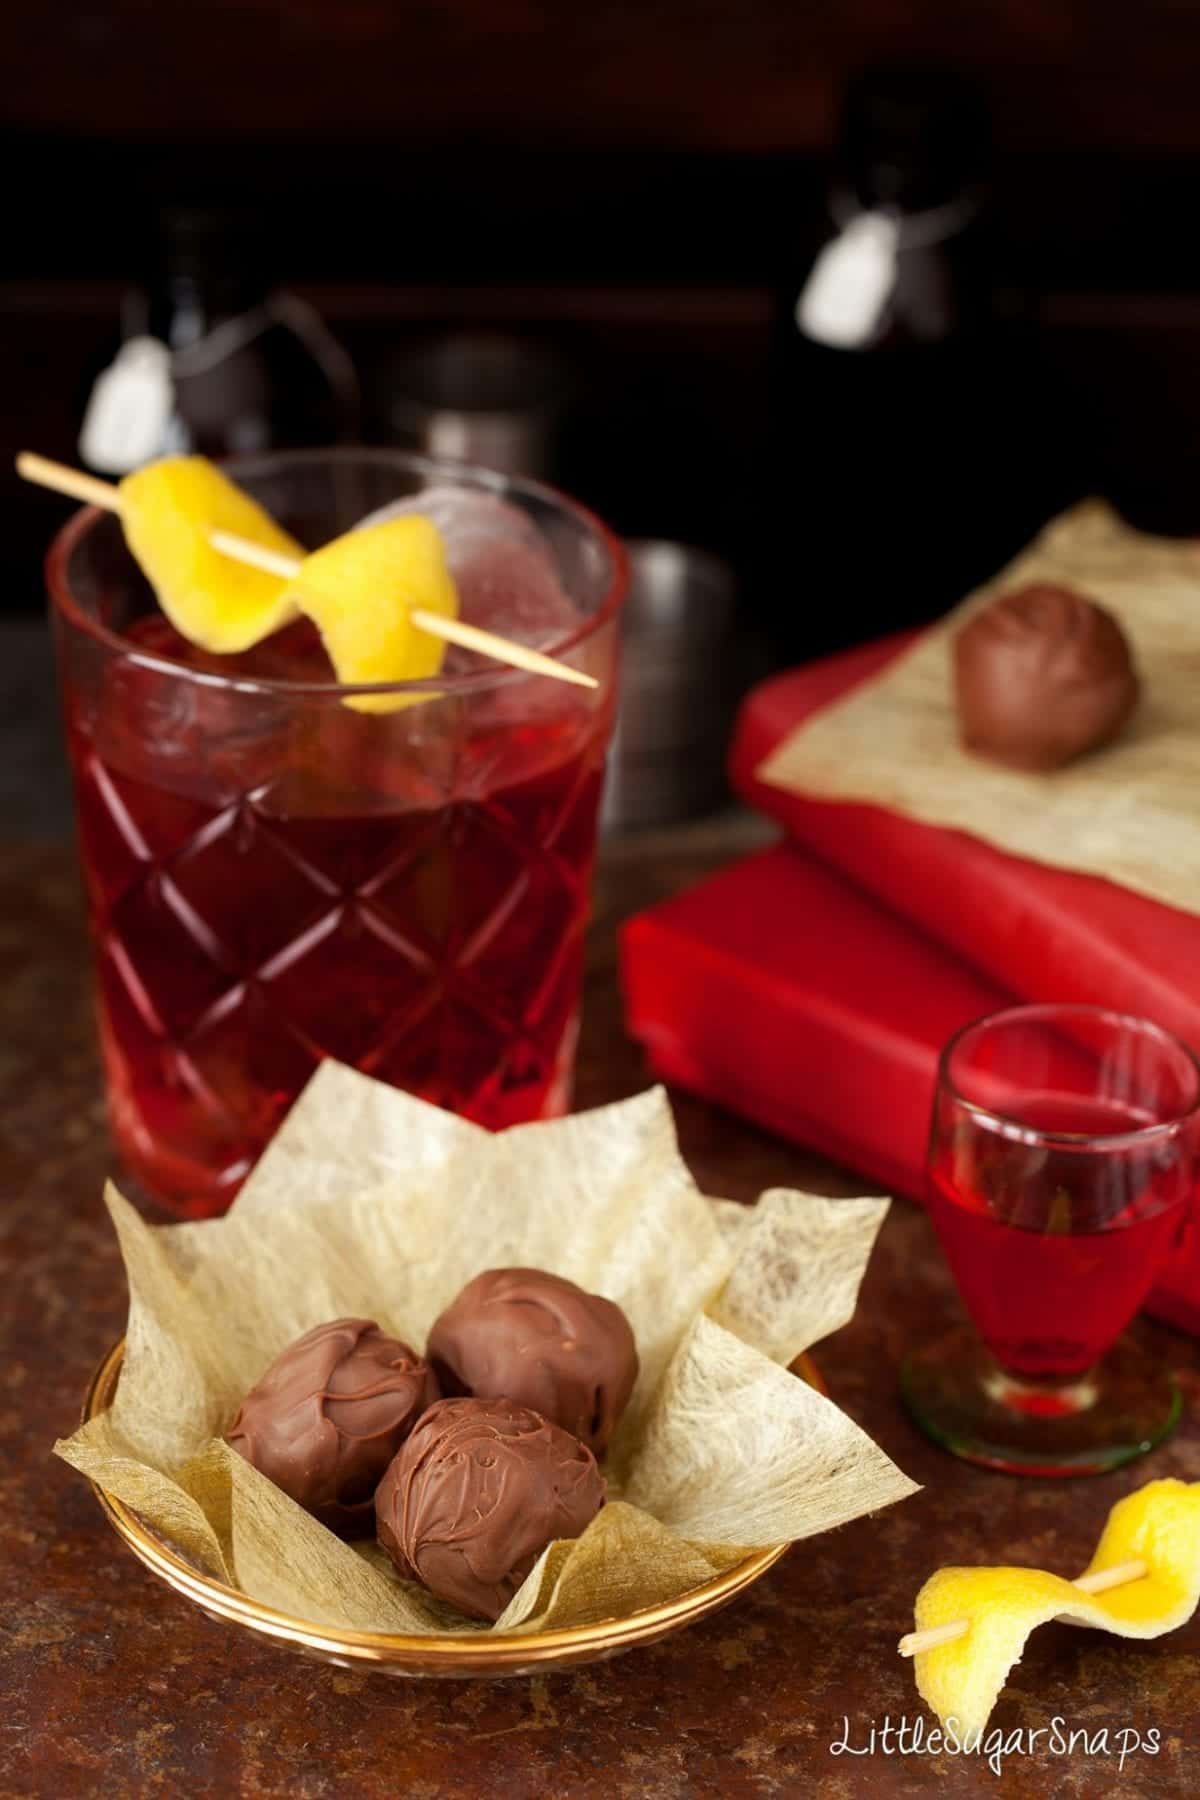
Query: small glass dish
(471, 1655)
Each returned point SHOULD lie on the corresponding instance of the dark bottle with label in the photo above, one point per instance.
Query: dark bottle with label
(901, 471)
(214, 358)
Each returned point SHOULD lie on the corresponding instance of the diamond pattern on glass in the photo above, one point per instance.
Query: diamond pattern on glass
(238, 945)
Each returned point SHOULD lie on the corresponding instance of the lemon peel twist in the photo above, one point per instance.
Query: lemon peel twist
(961, 1680)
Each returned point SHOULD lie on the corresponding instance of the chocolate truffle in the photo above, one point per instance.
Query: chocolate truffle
(328, 1416)
(1042, 676)
(475, 1495)
(543, 1342)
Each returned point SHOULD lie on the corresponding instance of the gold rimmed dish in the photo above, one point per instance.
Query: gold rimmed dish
(471, 1654)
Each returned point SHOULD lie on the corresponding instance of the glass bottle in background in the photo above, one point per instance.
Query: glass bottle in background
(214, 358)
(905, 466)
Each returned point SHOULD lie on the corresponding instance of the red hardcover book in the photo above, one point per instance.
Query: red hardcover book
(781, 991)
(1039, 932)
(1043, 933)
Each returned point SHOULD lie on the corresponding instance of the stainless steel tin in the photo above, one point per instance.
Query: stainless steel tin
(678, 686)
(479, 396)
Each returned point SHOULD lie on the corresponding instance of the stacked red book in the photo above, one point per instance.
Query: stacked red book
(1045, 933)
(811, 987)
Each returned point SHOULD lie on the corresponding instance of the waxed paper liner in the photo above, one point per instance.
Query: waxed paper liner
(369, 1202)
(1127, 812)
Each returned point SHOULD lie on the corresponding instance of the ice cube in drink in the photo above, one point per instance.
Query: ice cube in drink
(502, 566)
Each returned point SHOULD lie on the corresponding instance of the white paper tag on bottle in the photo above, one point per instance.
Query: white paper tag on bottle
(129, 409)
(842, 302)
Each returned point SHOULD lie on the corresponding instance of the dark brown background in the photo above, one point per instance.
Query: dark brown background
(694, 74)
(624, 180)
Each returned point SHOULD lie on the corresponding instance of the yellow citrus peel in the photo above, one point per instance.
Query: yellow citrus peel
(168, 510)
(961, 1680)
(360, 591)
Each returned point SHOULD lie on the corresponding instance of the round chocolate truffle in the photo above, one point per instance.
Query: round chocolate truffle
(328, 1416)
(543, 1342)
(1042, 676)
(475, 1495)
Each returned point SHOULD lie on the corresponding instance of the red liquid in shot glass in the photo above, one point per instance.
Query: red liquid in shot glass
(1054, 1248)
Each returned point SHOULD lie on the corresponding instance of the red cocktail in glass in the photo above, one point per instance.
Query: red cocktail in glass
(1062, 1172)
(274, 877)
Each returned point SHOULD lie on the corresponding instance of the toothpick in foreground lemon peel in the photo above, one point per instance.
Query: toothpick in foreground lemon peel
(1159, 1523)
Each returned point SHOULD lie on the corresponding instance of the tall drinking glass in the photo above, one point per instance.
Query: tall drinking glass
(1063, 1159)
(274, 877)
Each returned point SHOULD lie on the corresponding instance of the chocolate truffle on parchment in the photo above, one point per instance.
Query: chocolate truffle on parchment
(540, 1340)
(1042, 676)
(329, 1415)
(475, 1495)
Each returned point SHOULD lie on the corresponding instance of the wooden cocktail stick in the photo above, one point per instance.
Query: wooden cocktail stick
(63, 480)
(1117, 1576)
(79, 486)
(454, 631)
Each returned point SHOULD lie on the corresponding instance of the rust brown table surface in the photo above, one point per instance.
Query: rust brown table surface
(111, 1684)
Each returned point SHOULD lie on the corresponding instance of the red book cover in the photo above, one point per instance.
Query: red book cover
(1039, 932)
(781, 991)
(1043, 933)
